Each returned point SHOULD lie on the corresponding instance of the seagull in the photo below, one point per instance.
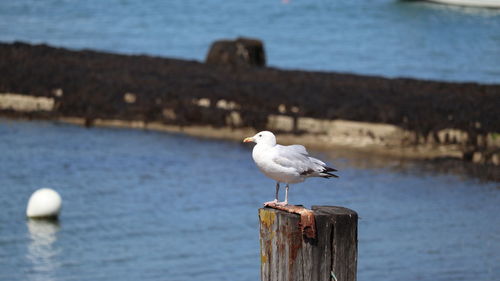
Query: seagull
(285, 164)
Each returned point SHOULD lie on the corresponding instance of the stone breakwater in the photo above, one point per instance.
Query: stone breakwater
(406, 117)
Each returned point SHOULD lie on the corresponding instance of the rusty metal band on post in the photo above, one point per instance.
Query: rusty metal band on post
(307, 223)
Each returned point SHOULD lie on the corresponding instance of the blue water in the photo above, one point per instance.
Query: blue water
(143, 205)
(379, 37)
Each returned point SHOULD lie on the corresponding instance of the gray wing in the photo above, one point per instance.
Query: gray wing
(292, 156)
(296, 148)
(296, 157)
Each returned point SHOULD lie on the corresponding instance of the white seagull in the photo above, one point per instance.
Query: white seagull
(285, 164)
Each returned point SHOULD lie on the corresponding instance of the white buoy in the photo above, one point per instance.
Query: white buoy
(44, 203)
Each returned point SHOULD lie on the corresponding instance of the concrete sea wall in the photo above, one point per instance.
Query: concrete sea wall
(406, 117)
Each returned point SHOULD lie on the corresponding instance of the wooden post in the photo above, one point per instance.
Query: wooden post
(287, 255)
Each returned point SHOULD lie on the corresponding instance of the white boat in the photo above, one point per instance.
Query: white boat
(470, 3)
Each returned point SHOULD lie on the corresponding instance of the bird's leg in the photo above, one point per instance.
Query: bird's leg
(284, 203)
(286, 194)
(277, 190)
(275, 201)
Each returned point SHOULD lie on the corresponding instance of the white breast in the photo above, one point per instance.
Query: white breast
(263, 156)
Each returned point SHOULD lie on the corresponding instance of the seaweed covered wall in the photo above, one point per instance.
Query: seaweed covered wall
(93, 85)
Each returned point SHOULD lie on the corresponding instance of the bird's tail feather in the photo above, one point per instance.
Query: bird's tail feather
(327, 173)
(330, 169)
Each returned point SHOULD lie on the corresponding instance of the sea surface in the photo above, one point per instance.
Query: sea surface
(145, 205)
(378, 37)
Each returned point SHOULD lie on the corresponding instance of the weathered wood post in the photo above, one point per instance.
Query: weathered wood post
(288, 255)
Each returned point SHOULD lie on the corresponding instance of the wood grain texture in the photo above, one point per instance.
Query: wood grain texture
(287, 255)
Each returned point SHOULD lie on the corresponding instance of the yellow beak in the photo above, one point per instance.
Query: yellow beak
(249, 139)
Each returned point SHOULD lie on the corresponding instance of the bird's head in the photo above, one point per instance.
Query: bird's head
(264, 137)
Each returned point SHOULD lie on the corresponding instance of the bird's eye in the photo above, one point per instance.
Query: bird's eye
(260, 135)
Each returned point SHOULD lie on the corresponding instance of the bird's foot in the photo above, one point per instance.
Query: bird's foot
(282, 204)
(271, 203)
(275, 203)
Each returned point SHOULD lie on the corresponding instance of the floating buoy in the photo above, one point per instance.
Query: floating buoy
(44, 203)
